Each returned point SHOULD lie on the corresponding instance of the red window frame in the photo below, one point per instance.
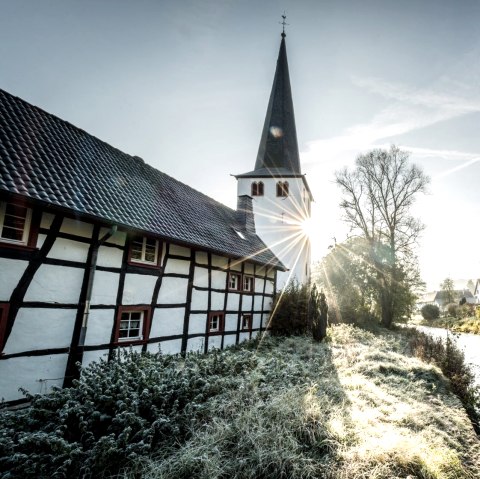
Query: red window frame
(249, 320)
(221, 322)
(4, 307)
(145, 325)
(33, 227)
(136, 262)
(252, 278)
(239, 282)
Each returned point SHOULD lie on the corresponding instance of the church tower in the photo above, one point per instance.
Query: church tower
(280, 194)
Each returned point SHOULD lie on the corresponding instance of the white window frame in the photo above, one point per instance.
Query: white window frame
(237, 282)
(218, 317)
(26, 229)
(140, 330)
(251, 281)
(249, 322)
(144, 249)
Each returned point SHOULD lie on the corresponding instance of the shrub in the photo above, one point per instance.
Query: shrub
(452, 310)
(117, 413)
(430, 311)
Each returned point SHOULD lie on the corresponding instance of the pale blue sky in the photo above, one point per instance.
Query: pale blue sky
(185, 85)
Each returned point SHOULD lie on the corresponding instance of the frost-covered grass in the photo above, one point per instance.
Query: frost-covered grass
(356, 406)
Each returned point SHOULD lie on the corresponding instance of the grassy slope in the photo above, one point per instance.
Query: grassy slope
(463, 325)
(354, 407)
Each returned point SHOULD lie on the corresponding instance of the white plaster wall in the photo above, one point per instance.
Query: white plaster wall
(99, 327)
(167, 322)
(257, 302)
(214, 342)
(173, 346)
(26, 371)
(229, 340)
(199, 300)
(177, 266)
(179, 250)
(231, 322)
(197, 324)
(46, 220)
(219, 279)
(201, 257)
(249, 268)
(200, 277)
(91, 356)
(233, 301)
(217, 301)
(269, 287)
(219, 261)
(173, 291)
(236, 265)
(69, 250)
(77, 227)
(11, 270)
(110, 257)
(195, 344)
(247, 302)
(138, 288)
(55, 284)
(40, 240)
(255, 334)
(259, 285)
(105, 288)
(41, 328)
(243, 337)
(256, 321)
(117, 239)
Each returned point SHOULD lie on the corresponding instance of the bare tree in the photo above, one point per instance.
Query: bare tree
(448, 289)
(377, 198)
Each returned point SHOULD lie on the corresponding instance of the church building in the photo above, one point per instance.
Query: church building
(280, 192)
(98, 250)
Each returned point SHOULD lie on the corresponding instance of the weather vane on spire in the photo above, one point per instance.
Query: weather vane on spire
(283, 23)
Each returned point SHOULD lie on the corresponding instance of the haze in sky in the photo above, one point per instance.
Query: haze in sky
(185, 85)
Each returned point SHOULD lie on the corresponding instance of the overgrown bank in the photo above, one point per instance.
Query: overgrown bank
(356, 406)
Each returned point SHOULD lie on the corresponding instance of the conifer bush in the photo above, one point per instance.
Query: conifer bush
(299, 309)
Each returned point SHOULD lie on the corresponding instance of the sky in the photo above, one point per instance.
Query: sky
(185, 84)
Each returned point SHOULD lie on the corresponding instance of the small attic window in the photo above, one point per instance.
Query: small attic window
(239, 233)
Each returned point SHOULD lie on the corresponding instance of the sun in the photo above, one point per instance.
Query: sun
(308, 227)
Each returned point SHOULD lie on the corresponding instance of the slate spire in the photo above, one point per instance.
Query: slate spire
(278, 145)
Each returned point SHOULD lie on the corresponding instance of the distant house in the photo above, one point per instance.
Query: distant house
(439, 298)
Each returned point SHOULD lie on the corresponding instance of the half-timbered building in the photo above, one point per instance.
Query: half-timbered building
(99, 250)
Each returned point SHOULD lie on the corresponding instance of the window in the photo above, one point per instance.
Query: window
(246, 324)
(234, 281)
(144, 250)
(15, 222)
(257, 188)
(215, 322)
(282, 188)
(3, 322)
(132, 324)
(248, 283)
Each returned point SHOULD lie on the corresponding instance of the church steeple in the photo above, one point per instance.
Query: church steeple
(278, 145)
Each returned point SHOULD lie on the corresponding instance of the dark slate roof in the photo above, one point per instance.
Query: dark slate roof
(47, 159)
(278, 145)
